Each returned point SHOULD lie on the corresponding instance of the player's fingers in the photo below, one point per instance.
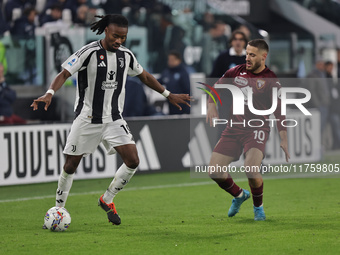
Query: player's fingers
(178, 106)
(187, 104)
(286, 153)
(211, 121)
(35, 105)
(47, 104)
(288, 156)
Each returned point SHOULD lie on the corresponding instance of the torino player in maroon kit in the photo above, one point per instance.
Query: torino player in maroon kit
(239, 136)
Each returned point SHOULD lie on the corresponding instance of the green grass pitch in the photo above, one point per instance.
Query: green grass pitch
(171, 213)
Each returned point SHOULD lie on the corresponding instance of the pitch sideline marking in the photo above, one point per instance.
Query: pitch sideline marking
(189, 184)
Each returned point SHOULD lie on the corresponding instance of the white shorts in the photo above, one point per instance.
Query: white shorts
(85, 137)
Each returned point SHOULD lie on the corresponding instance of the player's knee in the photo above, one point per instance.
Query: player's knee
(213, 175)
(70, 167)
(132, 162)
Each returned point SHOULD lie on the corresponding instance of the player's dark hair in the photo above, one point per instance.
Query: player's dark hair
(260, 44)
(106, 20)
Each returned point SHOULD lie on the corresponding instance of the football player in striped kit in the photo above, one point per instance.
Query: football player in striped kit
(102, 68)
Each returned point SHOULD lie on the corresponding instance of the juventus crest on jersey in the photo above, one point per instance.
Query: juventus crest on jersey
(101, 81)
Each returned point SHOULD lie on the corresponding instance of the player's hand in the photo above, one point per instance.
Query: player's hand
(177, 99)
(211, 113)
(284, 147)
(47, 99)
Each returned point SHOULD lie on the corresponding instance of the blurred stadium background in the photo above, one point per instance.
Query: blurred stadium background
(298, 32)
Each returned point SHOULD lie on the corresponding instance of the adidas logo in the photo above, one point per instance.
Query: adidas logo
(147, 151)
(102, 64)
(199, 148)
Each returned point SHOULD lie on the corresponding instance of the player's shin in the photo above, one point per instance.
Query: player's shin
(229, 186)
(122, 177)
(64, 185)
(257, 195)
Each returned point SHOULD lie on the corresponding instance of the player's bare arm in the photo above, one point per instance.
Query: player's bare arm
(56, 84)
(284, 143)
(175, 99)
(211, 113)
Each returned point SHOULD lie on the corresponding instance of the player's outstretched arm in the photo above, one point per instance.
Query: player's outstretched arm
(211, 113)
(175, 99)
(56, 84)
(284, 143)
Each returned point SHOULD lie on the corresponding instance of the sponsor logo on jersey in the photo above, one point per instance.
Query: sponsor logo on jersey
(244, 73)
(102, 64)
(241, 81)
(110, 75)
(109, 85)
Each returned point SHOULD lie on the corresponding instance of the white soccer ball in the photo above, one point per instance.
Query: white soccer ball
(57, 219)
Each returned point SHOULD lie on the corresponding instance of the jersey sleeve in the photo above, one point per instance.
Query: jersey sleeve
(134, 68)
(276, 84)
(75, 62)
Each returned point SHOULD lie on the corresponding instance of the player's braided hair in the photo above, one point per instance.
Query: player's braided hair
(105, 20)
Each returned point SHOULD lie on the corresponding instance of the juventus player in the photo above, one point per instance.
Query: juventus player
(102, 68)
(251, 140)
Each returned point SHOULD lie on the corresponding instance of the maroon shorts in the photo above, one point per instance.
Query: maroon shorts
(232, 144)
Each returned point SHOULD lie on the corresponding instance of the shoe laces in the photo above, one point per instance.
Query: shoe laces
(112, 208)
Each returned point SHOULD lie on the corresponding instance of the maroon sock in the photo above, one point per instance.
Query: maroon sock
(257, 195)
(229, 185)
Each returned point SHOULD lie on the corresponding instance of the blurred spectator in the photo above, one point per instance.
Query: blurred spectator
(7, 98)
(85, 15)
(245, 30)
(136, 103)
(214, 42)
(157, 25)
(231, 57)
(334, 111)
(24, 27)
(207, 21)
(54, 14)
(318, 87)
(4, 26)
(3, 59)
(23, 30)
(16, 4)
(185, 20)
(115, 6)
(176, 79)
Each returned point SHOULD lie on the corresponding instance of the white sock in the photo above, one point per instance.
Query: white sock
(64, 186)
(122, 177)
(240, 195)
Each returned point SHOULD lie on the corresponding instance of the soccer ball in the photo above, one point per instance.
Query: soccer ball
(57, 219)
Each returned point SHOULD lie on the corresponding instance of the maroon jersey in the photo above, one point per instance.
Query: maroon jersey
(262, 85)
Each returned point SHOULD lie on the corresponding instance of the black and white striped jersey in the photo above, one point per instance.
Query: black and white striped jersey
(101, 81)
